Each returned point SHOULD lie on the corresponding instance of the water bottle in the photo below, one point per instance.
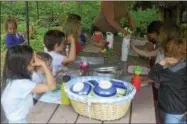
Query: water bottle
(84, 67)
(125, 48)
(64, 98)
(110, 39)
(67, 49)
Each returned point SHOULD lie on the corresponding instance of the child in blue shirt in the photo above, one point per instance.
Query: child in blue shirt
(13, 38)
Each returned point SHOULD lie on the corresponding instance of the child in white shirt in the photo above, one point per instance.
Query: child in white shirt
(16, 98)
(38, 76)
(54, 41)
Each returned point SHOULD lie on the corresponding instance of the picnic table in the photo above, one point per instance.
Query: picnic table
(142, 109)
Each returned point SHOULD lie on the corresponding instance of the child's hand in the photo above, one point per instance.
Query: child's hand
(132, 45)
(168, 61)
(70, 39)
(38, 61)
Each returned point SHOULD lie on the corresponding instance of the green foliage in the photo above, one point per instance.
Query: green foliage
(3, 46)
(143, 18)
(52, 14)
(37, 43)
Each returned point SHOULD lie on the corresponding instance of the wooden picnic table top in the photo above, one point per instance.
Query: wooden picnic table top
(141, 111)
(142, 108)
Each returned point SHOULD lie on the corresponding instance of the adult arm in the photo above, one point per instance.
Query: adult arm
(108, 11)
(131, 21)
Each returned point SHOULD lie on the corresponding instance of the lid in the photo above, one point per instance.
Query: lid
(81, 88)
(66, 78)
(105, 84)
(107, 69)
(78, 87)
(105, 89)
(137, 70)
(109, 34)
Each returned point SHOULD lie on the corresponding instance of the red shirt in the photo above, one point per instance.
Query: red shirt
(78, 47)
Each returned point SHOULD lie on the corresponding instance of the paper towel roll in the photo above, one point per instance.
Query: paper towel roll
(110, 39)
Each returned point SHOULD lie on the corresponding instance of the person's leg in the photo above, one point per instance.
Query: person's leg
(174, 119)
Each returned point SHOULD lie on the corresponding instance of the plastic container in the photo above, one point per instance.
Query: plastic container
(67, 49)
(110, 39)
(84, 67)
(81, 88)
(125, 48)
(136, 80)
(97, 36)
(105, 89)
(64, 98)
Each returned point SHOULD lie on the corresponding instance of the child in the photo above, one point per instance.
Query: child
(38, 76)
(171, 73)
(13, 38)
(166, 31)
(54, 42)
(17, 99)
(73, 26)
(153, 31)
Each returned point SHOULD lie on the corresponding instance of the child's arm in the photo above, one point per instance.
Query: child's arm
(143, 52)
(25, 42)
(156, 71)
(50, 84)
(72, 54)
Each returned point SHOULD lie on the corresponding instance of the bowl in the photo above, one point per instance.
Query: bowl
(93, 82)
(109, 71)
(105, 89)
(118, 84)
(81, 88)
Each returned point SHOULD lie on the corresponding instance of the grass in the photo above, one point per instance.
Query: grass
(2, 62)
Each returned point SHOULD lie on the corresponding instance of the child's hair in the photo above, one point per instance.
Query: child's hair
(73, 25)
(154, 27)
(169, 31)
(45, 56)
(10, 19)
(53, 37)
(73, 16)
(175, 48)
(16, 61)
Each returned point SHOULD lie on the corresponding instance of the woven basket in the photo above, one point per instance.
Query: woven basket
(100, 109)
(103, 112)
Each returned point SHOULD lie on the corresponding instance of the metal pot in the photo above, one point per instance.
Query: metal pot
(111, 72)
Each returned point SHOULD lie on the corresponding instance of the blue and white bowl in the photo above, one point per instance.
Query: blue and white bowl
(105, 89)
(81, 88)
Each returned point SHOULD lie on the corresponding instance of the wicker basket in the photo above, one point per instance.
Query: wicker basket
(103, 112)
(99, 110)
